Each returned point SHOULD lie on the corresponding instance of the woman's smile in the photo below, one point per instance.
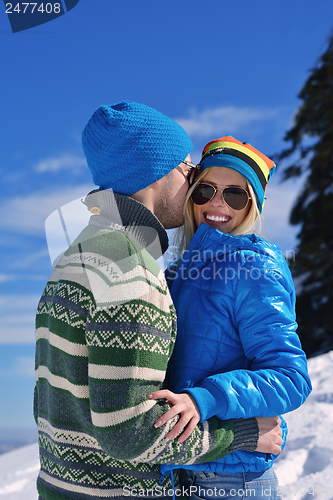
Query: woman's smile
(215, 217)
(216, 213)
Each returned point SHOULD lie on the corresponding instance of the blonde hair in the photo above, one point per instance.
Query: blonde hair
(185, 233)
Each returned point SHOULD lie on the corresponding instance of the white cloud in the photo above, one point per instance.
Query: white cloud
(12, 333)
(224, 119)
(64, 162)
(28, 214)
(26, 261)
(17, 314)
(6, 277)
(23, 366)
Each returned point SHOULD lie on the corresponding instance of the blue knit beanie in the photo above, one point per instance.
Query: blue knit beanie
(129, 146)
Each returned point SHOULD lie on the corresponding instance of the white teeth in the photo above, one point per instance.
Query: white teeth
(216, 218)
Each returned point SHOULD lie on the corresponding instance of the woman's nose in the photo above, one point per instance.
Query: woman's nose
(218, 199)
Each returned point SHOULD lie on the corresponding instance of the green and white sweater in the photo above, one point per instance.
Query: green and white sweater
(105, 330)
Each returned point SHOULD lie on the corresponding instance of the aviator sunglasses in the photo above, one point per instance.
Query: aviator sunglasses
(235, 197)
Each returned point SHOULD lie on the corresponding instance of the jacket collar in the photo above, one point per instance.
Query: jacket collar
(217, 242)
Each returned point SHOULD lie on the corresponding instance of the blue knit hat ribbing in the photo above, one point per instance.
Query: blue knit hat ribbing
(129, 146)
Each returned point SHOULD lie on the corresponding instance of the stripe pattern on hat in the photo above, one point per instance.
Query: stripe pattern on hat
(260, 164)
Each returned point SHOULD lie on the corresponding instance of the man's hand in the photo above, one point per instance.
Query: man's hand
(270, 432)
(181, 404)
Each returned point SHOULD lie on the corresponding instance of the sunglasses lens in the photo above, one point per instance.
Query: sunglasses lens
(236, 198)
(202, 194)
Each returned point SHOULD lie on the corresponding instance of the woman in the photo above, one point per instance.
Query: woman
(237, 354)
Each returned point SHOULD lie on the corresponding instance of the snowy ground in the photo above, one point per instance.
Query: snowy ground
(18, 473)
(304, 469)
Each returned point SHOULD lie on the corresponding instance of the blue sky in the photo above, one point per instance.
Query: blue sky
(216, 67)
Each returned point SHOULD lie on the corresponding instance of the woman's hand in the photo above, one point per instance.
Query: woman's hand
(270, 435)
(181, 404)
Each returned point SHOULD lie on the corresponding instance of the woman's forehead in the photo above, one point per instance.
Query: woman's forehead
(225, 176)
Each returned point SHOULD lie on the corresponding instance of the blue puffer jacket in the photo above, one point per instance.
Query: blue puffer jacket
(237, 352)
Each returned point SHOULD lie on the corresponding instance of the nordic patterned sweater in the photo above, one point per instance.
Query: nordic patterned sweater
(105, 330)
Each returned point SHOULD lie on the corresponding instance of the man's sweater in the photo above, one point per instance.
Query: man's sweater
(105, 330)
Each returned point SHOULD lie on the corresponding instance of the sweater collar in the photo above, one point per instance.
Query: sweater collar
(121, 213)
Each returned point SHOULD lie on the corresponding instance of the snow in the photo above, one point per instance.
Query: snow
(304, 469)
(18, 473)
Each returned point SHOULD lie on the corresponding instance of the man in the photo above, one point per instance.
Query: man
(106, 325)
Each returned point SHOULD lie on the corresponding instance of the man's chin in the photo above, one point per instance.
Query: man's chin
(173, 224)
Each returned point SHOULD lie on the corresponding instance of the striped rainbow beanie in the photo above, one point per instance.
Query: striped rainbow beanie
(242, 157)
(129, 146)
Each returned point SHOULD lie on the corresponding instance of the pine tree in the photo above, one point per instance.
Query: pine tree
(312, 142)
